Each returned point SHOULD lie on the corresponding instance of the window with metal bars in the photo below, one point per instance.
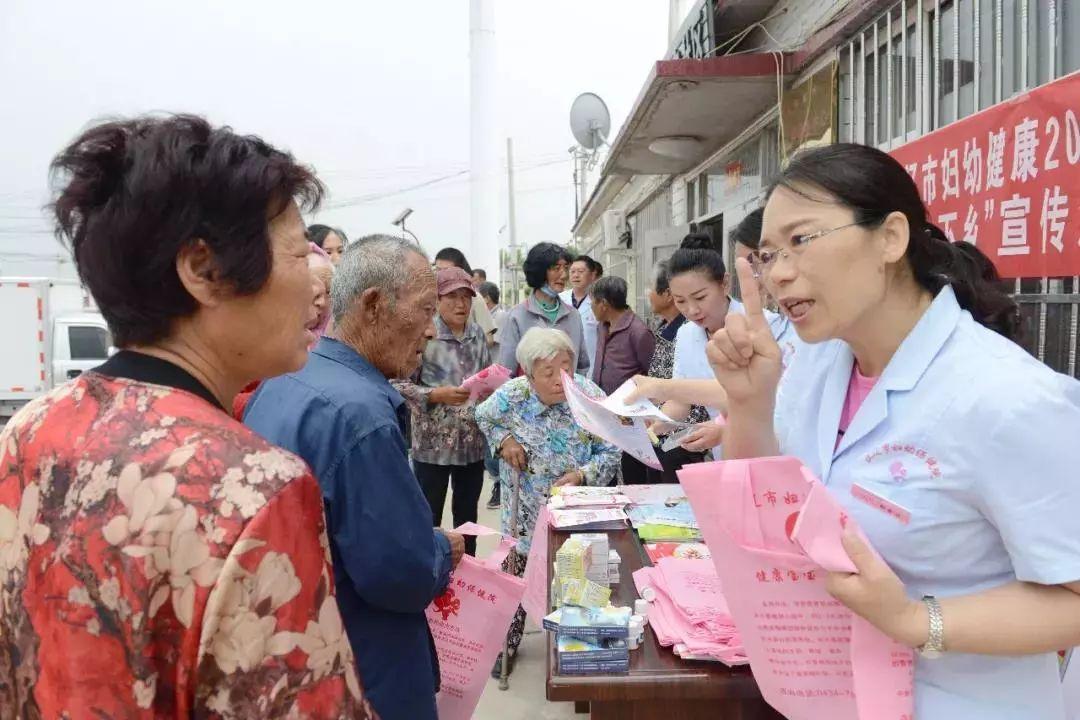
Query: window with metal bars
(923, 64)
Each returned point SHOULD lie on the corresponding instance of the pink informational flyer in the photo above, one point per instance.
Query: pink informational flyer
(626, 433)
(469, 624)
(485, 382)
(811, 656)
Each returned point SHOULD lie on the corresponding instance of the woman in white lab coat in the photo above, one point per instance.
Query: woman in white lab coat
(913, 393)
(700, 288)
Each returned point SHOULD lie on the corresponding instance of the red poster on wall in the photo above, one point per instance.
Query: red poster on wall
(1008, 180)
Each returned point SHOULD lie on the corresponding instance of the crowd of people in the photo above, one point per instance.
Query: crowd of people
(238, 514)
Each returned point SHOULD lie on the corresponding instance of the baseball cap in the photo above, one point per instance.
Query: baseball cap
(454, 278)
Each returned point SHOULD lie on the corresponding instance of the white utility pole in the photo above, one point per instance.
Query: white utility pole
(482, 245)
(676, 15)
(511, 224)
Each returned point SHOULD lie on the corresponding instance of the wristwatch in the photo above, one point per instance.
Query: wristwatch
(935, 643)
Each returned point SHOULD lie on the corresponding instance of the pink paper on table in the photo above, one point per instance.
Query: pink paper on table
(486, 381)
(469, 623)
(811, 657)
(672, 627)
(659, 620)
(537, 590)
(694, 587)
(653, 494)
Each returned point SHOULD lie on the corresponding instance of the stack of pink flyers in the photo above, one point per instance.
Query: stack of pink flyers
(688, 612)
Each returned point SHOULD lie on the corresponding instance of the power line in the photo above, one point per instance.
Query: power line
(362, 199)
(372, 197)
(345, 202)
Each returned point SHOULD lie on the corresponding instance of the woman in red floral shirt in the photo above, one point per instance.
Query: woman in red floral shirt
(158, 559)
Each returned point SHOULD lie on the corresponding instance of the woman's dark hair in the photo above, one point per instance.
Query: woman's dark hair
(873, 185)
(611, 290)
(133, 193)
(317, 234)
(697, 253)
(489, 290)
(455, 256)
(748, 232)
(541, 258)
(661, 277)
(594, 266)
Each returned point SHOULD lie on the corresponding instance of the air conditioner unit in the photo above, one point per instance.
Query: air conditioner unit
(615, 226)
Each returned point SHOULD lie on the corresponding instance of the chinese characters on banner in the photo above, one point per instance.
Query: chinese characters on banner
(1007, 180)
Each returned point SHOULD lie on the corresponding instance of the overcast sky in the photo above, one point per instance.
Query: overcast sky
(373, 93)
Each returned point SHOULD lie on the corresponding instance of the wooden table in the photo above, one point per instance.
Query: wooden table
(660, 685)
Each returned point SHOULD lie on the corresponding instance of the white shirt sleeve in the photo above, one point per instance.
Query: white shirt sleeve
(1028, 480)
(678, 364)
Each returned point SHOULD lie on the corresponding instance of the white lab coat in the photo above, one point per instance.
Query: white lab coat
(589, 325)
(981, 444)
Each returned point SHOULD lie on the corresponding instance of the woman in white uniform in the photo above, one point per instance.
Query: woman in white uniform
(913, 391)
(700, 287)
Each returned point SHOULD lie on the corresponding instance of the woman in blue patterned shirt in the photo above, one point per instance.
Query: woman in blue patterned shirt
(528, 423)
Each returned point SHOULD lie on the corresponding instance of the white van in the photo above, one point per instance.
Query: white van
(51, 332)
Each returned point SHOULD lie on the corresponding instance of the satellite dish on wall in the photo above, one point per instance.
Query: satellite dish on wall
(590, 121)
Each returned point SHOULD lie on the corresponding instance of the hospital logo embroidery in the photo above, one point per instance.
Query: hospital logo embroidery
(899, 469)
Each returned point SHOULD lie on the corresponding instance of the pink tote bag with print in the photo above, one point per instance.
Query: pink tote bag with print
(469, 623)
(811, 656)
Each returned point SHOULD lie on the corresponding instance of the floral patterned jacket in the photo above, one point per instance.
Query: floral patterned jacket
(553, 442)
(663, 360)
(158, 559)
(446, 434)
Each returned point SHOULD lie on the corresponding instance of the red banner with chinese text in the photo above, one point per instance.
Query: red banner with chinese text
(1007, 179)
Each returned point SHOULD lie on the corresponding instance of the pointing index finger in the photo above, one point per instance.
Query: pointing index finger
(751, 293)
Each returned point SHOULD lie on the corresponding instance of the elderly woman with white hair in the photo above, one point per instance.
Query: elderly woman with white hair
(528, 423)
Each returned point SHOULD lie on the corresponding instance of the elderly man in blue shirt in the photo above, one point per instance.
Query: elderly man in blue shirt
(341, 415)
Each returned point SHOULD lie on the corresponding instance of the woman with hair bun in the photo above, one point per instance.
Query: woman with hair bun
(913, 392)
(699, 286)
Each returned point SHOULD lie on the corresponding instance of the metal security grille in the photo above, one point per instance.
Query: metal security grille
(653, 216)
(923, 64)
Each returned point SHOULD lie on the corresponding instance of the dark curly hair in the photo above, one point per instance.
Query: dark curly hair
(541, 258)
(132, 193)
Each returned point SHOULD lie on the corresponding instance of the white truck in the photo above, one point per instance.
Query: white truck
(51, 333)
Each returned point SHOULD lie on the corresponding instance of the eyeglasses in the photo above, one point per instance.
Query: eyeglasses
(762, 260)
